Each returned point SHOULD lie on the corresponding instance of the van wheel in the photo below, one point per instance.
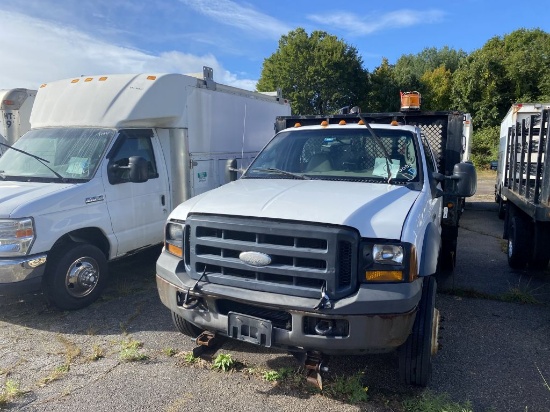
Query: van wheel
(185, 327)
(415, 355)
(75, 276)
(518, 243)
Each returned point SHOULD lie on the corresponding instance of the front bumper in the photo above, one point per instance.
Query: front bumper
(379, 317)
(21, 275)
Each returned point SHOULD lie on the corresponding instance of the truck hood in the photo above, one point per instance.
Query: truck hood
(375, 210)
(15, 197)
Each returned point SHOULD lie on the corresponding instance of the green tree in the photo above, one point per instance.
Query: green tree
(508, 69)
(437, 85)
(319, 74)
(384, 92)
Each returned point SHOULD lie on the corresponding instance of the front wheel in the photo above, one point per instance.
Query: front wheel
(185, 327)
(415, 355)
(76, 275)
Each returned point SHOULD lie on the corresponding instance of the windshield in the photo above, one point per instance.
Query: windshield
(65, 154)
(339, 154)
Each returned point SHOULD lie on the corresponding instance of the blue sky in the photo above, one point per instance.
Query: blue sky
(46, 40)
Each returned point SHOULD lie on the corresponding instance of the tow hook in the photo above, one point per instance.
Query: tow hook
(314, 365)
(206, 340)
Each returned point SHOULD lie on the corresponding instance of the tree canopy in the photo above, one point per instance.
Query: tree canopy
(319, 74)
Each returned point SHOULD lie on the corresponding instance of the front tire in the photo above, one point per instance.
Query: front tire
(75, 276)
(185, 327)
(415, 355)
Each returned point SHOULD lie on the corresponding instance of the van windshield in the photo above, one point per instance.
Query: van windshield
(64, 154)
(339, 154)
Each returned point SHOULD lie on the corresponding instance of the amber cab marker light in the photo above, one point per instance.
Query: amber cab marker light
(297, 124)
(324, 123)
(151, 77)
(342, 123)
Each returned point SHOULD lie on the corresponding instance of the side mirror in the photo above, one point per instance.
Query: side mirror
(231, 170)
(465, 176)
(139, 172)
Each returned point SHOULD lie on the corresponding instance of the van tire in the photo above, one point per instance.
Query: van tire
(185, 327)
(76, 275)
(415, 355)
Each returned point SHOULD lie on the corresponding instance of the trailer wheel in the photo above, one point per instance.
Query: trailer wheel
(415, 355)
(75, 276)
(518, 242)
(541, 247)
(185, 327)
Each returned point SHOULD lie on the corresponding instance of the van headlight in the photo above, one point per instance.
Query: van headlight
(16, 236)
(388, 262)
(173, 235)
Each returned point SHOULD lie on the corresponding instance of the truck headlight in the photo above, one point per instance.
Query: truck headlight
(173, 242)
(16, 236)
(388, 262)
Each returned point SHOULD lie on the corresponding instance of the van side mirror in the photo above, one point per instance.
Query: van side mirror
(139, 172)
(231, 170)
(465, 179)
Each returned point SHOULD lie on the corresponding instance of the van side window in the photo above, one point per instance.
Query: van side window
(133, 142)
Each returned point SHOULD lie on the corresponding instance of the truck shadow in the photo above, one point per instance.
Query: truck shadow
(130, 293)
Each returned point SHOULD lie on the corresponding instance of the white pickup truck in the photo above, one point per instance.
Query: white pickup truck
(107, 159)
(329, 242)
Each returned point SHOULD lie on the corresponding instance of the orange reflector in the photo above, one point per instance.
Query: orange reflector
(342, 123)
(384, 275)
(75, 80)
(178, 251)
(361, 122)
(23, 233)
(102, 79)
(324, 123)
(43, 85)
(394, 123)
(151, 77)
(297, 125)
(88, 79)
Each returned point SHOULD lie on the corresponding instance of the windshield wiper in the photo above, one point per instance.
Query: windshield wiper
(41, 160)
(279, 171)
(381, 145)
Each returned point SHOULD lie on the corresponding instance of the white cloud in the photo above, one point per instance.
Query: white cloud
(356, 25)
(230, 13)
(35, 52)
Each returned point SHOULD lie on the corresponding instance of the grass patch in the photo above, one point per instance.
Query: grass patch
(223, 362)
(71, 350)
(517, 295)
(9, 392)
(278, 375)
(130, 351)
(56, 374)
(97, 353)
(348, 388)
(169, 352)
(430, 402)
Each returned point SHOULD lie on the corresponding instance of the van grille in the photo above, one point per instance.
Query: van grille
(304, 257)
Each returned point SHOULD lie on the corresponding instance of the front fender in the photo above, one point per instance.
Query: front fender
(430, 251)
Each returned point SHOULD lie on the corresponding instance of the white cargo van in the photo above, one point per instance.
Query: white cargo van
(107, 159)
(15, 113)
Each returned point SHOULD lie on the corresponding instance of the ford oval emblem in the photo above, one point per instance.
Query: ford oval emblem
(255, 258)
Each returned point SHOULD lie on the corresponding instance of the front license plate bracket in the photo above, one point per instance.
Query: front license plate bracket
(249, 329)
